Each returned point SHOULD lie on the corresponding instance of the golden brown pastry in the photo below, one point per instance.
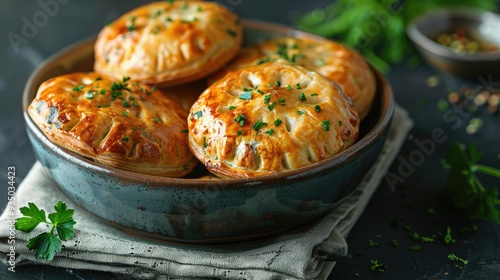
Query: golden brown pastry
(270, 118)
(118, 123)
(168, 43)
(332, 60)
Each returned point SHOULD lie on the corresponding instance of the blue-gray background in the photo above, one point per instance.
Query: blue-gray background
(425, 187)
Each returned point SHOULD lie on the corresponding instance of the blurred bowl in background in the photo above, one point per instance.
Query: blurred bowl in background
(482, 26)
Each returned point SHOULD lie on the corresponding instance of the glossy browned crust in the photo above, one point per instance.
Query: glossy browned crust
(300, 140)
(330, 59)
(168, 44)
(134, 127)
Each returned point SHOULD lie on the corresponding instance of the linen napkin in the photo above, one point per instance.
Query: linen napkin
(309, 252)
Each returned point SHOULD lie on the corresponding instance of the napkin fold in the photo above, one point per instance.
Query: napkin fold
(309, 252)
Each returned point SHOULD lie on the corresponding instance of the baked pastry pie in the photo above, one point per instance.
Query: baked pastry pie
(332, 60)
(168, 42)
(269, 118)
(118, 123)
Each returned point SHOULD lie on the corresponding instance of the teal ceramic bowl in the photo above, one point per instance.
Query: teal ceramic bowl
(200, 210)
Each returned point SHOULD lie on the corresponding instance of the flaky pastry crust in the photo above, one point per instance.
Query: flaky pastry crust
(168, 43)
(117, 123)
(331, 59)
(270, 118)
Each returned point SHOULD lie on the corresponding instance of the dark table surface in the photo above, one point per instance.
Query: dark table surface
(392, 207)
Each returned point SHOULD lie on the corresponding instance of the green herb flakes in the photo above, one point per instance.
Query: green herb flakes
(326, 125)
(271, 107)
(240, 119)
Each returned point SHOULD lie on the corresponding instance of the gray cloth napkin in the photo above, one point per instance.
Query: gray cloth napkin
(309, 252)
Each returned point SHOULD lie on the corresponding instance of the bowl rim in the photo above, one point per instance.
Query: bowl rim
(422, 40)
(378, 129)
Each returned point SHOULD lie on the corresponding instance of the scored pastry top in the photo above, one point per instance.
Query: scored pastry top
(270, 118)
(115, 122)
(168, 42)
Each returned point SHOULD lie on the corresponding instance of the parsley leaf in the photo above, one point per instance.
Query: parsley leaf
(34, 216)
(63, 221)
(46, 244)
(465, 189)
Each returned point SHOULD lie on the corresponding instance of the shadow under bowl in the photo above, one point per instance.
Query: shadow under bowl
(481, 25)
(198, 210)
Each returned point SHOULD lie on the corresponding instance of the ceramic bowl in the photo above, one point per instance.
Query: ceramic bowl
(201, 210)
(481, 24)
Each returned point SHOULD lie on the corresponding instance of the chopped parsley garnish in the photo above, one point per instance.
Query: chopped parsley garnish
(125, 139)
(200, 8)
(78, 88)
(247, 89)
(47, 244)
(300, 112)
(260, 91)
(458, 261)
(232, 32)
(231, 108)
(297, 86)
(131, 26)
(269, 85)
(270, 132)
(98, 79)
(135, 104)
(448, 239)
(103, 91)
(277, 122)
(240, 119)
(239, 132)
(170, 1)
(267, 98)
(317, 108)
(271, 107)
(261, 61)
(302, 97)
(125, 113)
(340, 123)
(156, 29)
(415, 248)
(153, 88)
(89, 95)
(185, 131)
(205, 142)
(156, 120)
(314, 94)
(281, 100)
(326, 125)
(126, 104)
(376, 266)
(394, 243)
(289, 87)
(258, 125)
(277, 83)
(281, 50)
(134, 128)
(372, 243)
(247, 95)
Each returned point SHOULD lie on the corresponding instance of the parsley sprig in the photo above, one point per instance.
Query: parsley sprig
(466, 191)
(47, 244)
